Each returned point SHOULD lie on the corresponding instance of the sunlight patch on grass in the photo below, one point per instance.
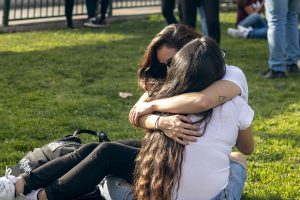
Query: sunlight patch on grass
(40, 41)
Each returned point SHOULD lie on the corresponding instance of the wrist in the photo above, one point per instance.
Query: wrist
(156, 124)
(153, 106)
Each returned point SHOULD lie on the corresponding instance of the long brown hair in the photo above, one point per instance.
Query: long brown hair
(172, 36)
(158, 165)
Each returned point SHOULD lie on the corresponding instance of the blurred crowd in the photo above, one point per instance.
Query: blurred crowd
(274, 20)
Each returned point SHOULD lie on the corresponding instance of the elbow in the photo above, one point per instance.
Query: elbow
(248, 151)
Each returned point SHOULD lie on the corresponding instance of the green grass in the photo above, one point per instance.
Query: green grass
(53, 82)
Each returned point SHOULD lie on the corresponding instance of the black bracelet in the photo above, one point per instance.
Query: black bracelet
(156, 123)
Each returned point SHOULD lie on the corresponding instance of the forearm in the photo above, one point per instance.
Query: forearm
(185, 103)
(216, 94)
(142, 98)
(148, 121)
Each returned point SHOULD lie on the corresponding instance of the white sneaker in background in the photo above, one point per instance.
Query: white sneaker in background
(7, 186)
(95, 23)
(243, 28)
(235, 33)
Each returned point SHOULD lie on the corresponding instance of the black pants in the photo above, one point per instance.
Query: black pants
(79, 172)
(69, 4)
(211, 9)
(92, 5)
(168, 7)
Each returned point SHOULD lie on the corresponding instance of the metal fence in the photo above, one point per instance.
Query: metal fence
(14, 10)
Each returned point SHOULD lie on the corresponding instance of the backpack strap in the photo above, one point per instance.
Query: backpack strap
(100, 134)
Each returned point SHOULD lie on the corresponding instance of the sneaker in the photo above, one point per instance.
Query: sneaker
(95, 23)
(7, 186)
(293, 68)
(235, 33)
(271, 74)
(244, 29)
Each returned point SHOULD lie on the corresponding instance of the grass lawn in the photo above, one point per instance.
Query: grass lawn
(53, 82)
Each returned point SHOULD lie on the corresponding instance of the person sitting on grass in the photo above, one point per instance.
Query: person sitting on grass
(250, 24)
(201, 170)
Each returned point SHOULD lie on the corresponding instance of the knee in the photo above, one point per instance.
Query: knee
(256, 15)
(91, 145)
(238, 157)
(104, 150)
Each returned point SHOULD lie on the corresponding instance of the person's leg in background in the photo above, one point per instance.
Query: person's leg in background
(189, 11)
(254, 20)
(212, 8)
(180, 14)
(258, 33)
(276, 13)
(91, 6)
(292, 36)
(203, 20)
(167, 7)
(103, 9)
(69, 4)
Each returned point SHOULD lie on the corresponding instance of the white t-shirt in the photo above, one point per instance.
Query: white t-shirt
(236, 75)
(205, 167)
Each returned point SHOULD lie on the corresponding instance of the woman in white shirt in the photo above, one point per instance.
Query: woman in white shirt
(168, 170)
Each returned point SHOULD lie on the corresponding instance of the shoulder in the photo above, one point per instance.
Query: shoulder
(233, 69)
(237, 76)
(235, 104)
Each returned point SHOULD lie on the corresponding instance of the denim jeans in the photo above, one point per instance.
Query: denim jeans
(203, 20)
(258, 24)
(283, 36)
(113, 188)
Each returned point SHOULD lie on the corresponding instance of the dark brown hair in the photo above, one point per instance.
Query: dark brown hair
(197, 65)
(172, 36)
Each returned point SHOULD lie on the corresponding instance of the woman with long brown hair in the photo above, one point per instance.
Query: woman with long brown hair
(153, 68)
(158, 171)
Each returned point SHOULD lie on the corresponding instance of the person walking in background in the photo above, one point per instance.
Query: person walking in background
(283, 37)
(69, 4)
(168, 7)
(203, 21)
(93, 20)
(211, 9)
(250, 24)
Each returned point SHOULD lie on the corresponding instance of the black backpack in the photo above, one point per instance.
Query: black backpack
(55, 149)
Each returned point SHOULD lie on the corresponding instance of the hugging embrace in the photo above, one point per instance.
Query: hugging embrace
(194, 111)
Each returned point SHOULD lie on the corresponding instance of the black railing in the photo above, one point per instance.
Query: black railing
(14, 10)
